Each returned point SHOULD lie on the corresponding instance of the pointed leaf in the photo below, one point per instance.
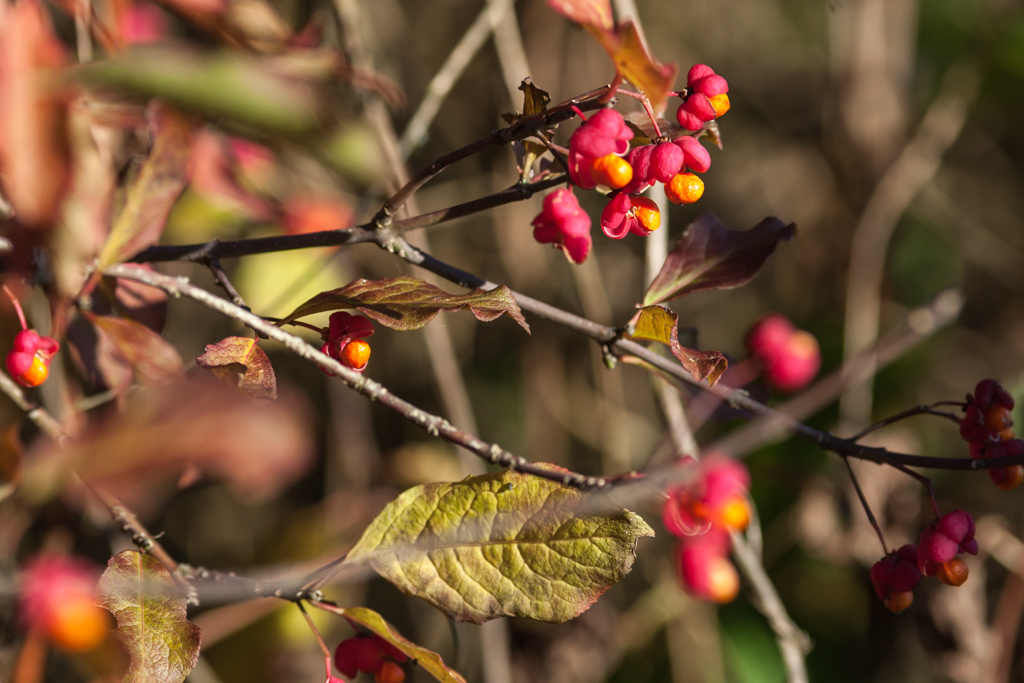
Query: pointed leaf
(240, 362)
(428, 660)
(407, 303)
(535, 100)
(654, 323)
(623, 43)
(502, 544)
(154, 359)
(709, 365)
(710, 255)
(154, 190)
(152, 625)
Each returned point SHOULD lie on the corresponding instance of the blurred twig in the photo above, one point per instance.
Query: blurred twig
(908, 175)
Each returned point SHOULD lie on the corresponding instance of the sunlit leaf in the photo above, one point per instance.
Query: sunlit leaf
(633, 61)
(535, 100)
(241, 363)
(428, 660)
(154, 190)
(249, 90)
(502, 544)
(154, 359)
(710, 255)
(709, 365)
(654, 323)
(407, 303)
(152, 626)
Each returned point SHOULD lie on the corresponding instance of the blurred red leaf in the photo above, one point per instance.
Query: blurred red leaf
(140, 453)
(304, 214)
(143, 304)
(239, 362)
(97, 358)
(215, 176)
(155, 361)
(624, 44)
(33, 139)
(154, 190)
(710, 255)
(407, 303)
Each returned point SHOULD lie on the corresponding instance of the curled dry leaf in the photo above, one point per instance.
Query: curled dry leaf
(139, 454)
(502, 544)
(152, 625)
(656, 323)
(241, 363)
(408, 303)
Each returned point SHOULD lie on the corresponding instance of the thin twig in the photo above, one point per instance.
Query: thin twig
(430, 423)
(909, 412)
(867, 508)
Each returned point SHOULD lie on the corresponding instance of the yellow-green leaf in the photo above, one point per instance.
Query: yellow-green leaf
(502, 544)
(654, 323)
(152, 625)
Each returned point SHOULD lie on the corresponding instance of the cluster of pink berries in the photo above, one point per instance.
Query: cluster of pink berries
(987, 426)
(28, 361)
(600, 155)
(343, 340)
(897, 574)
(371, 654)
(702, 513)
(790, 358)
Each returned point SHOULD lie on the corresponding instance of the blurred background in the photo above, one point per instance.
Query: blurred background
(889, 131)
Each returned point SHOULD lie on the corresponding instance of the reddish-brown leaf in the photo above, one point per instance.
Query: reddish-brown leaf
(702, 365)
(241, 363)
(154, 190)
(33, 138)
(710, 255)
(155, 361)
(144, 304)
(623, 43)
(591, 14)
(139, 455)
(407, 303)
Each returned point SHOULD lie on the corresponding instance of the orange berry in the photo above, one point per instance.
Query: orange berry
(646, 211)
(389, 672)
(734, 514)
(723, 581)
(897, 602)
(1011, 479)
(1007, 434)
(612, 171)
(952, 573)
(720, 103)
(36, 373)
(684, 188)
(356, 354)
(998, 418)
(77, 624)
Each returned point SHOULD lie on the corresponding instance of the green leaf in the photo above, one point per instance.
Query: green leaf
(154, 359)
(654, 323)
(428, 660)
(710, 255)
(154, 190)
(407, 303)
(240, 362)
(502, 544)
(151, 620)
(249, 90)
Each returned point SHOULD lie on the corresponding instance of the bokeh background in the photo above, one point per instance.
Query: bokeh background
(889, 131)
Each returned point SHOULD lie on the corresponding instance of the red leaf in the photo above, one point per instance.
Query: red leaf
(710, 255)
(240, 363)
(591, 14)
(33, 137)
(138, 455)
(155, 361)
(702, 365)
